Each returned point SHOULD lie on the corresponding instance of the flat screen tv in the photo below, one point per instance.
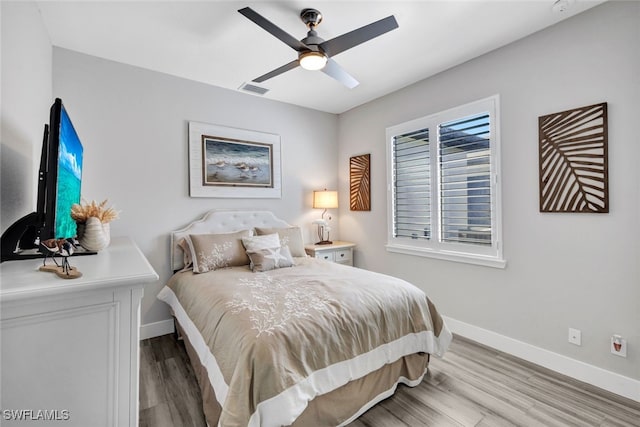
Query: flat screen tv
(59, 186)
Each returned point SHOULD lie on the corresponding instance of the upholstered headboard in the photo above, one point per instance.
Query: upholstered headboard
(222, 221)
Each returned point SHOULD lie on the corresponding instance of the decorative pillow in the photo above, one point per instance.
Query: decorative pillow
(256, 243)
(290, 236)
(186, 254)
(270, 259)
(214, 251)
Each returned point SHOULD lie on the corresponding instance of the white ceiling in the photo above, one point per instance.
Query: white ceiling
(210, 42)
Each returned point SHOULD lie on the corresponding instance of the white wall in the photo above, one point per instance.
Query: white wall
(133, 125)
(564, 270)
(26, 97)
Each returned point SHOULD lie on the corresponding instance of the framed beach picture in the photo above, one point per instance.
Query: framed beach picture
(233, 163)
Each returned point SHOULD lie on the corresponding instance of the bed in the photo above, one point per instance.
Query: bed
(277, 338)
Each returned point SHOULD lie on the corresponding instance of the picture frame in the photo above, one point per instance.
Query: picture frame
(229, 162)
(360, 183)
(573, 160)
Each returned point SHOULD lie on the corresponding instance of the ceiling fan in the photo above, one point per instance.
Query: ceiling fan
(314, 53)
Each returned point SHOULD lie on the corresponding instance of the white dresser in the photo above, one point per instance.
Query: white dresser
(70, 348)
(338, 251)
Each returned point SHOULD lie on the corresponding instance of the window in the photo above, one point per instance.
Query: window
(444, 186)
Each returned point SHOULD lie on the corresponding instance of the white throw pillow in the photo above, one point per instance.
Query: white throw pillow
(270, 259)
(257, 243)
(289, 236)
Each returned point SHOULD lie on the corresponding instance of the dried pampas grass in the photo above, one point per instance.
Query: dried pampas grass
(84, 211)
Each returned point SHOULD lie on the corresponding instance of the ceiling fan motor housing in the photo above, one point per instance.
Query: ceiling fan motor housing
(312, 40)
(311, 17)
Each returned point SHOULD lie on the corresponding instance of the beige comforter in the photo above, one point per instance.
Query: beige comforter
(273, 341)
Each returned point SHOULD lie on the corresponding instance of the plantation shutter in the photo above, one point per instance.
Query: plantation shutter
(465, 180)
(412, 185)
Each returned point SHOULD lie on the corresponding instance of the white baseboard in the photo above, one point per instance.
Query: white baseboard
(156, 329)
(607, 380)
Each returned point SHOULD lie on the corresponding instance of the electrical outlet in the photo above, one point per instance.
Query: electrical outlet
(618, 346)
(575, 336)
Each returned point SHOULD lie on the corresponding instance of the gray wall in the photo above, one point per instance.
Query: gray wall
(133, 125)
(26, 97)
(564, 270)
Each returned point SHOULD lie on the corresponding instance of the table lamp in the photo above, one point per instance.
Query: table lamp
(325, 199)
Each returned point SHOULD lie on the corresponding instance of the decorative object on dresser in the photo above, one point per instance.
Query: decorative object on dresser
(94, 235)
(360, 183)
(230, 162)
(301, 344)
(94, 231)
(573, 160)
(74, 345)
(340, 252)
(63, 248)
(324, 199)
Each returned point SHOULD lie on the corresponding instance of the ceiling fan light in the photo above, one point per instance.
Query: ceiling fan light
(312, 60)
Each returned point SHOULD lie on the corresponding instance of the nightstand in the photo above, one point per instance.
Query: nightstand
(340, 252)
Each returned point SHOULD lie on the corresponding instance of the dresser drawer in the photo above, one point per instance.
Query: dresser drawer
(340, 252)
(326, 255)
(343, 256)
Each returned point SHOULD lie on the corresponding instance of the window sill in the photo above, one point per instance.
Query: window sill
(486, 261)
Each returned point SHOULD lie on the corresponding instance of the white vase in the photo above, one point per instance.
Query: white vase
(95, 236)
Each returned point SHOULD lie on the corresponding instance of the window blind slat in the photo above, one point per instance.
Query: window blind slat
(464, 158)
(412, 185)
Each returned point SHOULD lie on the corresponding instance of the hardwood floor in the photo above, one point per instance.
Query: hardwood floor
(472, 386)
(169, 392)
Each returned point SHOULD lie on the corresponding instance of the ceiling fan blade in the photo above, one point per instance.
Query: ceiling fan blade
(290, 66)
(273, 29)
(353, 38)
(332, 69)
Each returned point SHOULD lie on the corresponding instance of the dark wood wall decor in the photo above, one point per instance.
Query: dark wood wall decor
(360, 183)
(573, 160)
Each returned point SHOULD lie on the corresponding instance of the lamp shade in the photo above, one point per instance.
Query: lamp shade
(325, 199)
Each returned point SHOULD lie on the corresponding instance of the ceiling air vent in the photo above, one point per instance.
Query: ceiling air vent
(248, 87)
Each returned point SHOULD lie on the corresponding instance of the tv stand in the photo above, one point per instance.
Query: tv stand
(82, 251)
(35, 253)
(19, 240)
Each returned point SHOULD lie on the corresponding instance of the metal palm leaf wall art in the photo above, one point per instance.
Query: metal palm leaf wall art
(573, 160)
(360, 183)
